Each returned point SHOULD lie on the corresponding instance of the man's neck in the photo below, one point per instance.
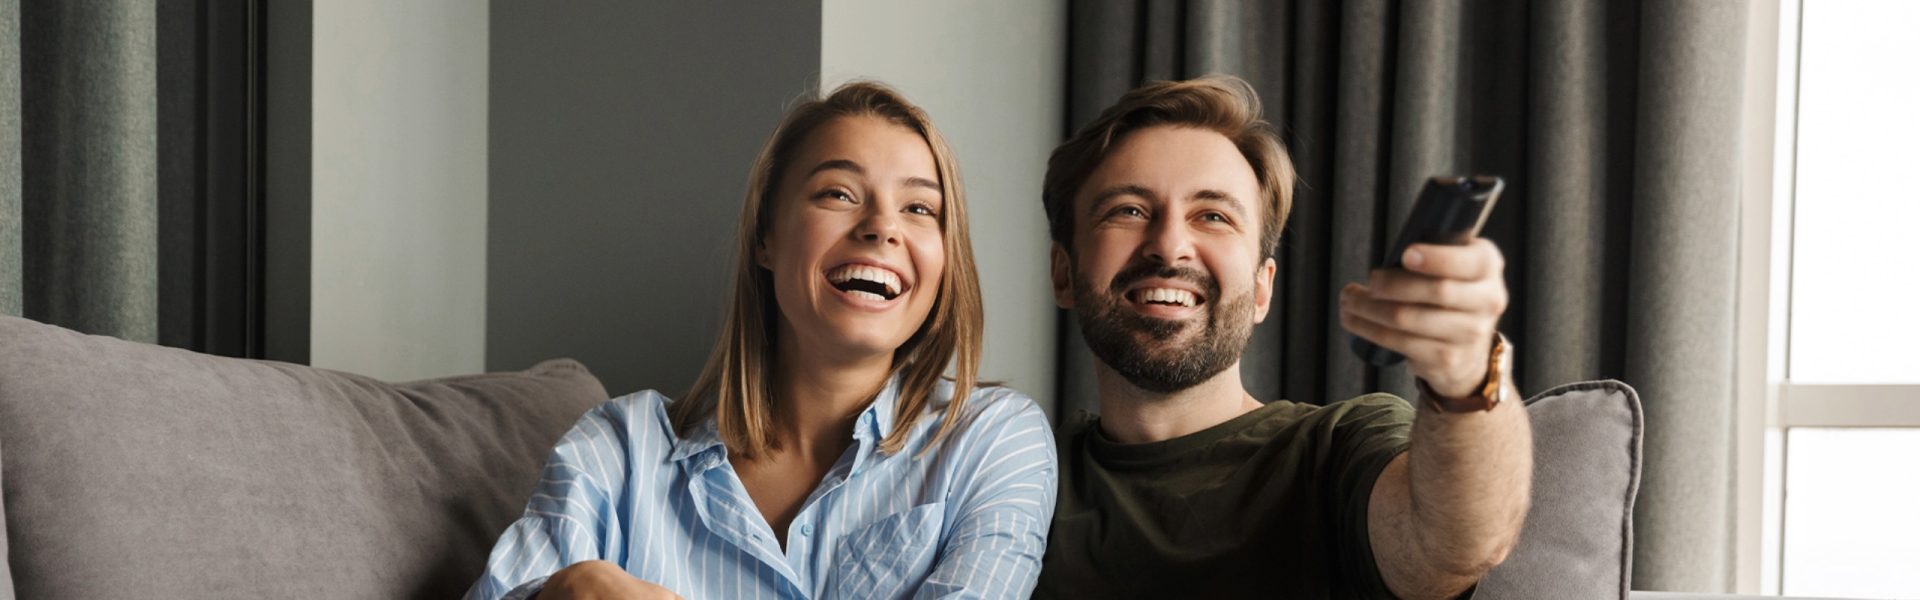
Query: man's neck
(1130, 415)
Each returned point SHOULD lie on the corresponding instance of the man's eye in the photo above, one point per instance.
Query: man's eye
(1214, 217)
(1129, 211)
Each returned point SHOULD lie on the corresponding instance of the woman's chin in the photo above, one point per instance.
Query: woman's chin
(860, 344)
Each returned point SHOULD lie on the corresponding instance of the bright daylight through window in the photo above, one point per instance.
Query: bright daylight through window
(1851, 527)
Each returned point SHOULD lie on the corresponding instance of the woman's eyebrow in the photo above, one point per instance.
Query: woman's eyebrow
(838, 164)
(921, 182)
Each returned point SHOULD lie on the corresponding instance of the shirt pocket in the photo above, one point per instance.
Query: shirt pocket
(888, 558)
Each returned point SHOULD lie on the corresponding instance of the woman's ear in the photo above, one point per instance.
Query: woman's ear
(760, 256)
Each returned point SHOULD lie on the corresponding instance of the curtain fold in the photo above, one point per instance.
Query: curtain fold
(87, 127)
(127, 145)
(10, 282)
(1616, 127)
(1680, 328)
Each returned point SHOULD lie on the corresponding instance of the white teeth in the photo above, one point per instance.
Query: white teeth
(1167, 295)
(867, 295)
(866, 273)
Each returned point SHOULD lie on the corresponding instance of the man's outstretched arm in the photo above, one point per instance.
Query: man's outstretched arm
(1451, 507)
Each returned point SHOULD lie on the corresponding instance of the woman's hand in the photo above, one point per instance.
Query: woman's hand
(1440, 311)
(600, 580)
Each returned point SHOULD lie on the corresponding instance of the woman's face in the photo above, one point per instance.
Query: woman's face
(855, 246)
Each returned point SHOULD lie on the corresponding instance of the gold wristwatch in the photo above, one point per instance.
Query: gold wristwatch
(1491, 393)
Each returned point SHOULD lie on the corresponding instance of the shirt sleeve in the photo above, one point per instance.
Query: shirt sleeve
(571, 516)
(1000, 527)
(1371, 432)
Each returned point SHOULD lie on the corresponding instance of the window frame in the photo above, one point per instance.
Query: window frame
(1767, 401)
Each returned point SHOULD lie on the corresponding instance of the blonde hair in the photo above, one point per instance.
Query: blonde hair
(1223, 104)
(734, 387)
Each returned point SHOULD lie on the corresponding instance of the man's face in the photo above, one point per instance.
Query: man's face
(1166, 274)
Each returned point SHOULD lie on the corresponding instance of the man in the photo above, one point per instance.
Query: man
(1165, 213)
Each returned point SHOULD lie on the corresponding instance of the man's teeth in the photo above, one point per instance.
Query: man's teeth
(1167, 296)
(876, 275)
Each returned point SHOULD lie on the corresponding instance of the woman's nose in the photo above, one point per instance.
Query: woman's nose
(880, 226)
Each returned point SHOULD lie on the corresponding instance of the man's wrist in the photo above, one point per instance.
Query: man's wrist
(1487, 395)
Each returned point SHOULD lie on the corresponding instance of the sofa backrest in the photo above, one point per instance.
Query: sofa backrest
(135, 471)
(1578, 539)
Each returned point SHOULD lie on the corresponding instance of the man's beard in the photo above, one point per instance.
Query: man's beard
(1148, 351)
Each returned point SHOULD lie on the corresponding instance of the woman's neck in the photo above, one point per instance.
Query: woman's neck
(818, 396)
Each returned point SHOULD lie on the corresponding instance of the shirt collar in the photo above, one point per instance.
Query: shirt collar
(877, 420)
(873, 425)
(704, 437)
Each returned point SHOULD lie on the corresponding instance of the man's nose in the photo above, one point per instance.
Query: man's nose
(1168, 242)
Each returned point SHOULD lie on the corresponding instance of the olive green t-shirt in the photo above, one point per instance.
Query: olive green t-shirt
(1272, 504)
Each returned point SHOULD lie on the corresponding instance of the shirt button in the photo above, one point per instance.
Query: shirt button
(806, 529)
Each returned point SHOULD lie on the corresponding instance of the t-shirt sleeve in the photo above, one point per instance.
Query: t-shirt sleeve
(1369, 432)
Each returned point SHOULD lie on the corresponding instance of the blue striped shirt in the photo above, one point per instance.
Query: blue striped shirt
(967, 520)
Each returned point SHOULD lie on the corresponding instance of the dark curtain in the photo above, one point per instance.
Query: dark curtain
(1615, 125)
(128, 203)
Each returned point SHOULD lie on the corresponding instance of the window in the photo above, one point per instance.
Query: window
(1844, 478)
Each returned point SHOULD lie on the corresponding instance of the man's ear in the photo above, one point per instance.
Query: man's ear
(1062, 276)
(1263, 290)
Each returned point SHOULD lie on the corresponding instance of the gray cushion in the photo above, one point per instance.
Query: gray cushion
(136, 471)
(1578, 540)
(1681, 596)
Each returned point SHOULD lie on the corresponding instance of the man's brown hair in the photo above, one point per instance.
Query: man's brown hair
(1223, 104)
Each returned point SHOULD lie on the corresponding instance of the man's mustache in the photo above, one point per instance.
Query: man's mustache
(1133, 274)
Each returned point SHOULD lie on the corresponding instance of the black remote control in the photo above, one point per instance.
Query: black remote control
(1450, 211)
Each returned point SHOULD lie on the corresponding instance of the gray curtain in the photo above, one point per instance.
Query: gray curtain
(10, 302)
(127, 175)
(1616, 126)
(84, 210)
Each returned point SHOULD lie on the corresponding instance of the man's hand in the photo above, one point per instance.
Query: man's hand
(1451, 508)
(600, 580)
(1441, 311)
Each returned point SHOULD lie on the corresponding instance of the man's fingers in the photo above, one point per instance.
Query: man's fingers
(1416, 320)
(1398, 285)
(1426, 357)
(1477, 260)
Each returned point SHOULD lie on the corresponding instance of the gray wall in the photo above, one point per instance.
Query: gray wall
(399, 187)
(621, 134)
(990, 73)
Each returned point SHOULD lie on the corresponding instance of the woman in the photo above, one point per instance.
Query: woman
(820, 454)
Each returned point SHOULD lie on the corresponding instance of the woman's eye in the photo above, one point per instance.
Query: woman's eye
(837, 195)
(922, 209)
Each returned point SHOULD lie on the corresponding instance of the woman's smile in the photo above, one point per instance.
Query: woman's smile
(867, 285)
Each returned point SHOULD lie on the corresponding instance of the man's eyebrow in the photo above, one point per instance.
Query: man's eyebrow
(1220, 197)
(1129, 189)
(840, 164)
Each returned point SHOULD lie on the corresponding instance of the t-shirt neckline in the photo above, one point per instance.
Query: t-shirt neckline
(1106, 450)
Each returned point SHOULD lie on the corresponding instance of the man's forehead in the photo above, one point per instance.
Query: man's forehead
(1174, 162)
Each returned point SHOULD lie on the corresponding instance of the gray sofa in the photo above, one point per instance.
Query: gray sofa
(136, 471)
